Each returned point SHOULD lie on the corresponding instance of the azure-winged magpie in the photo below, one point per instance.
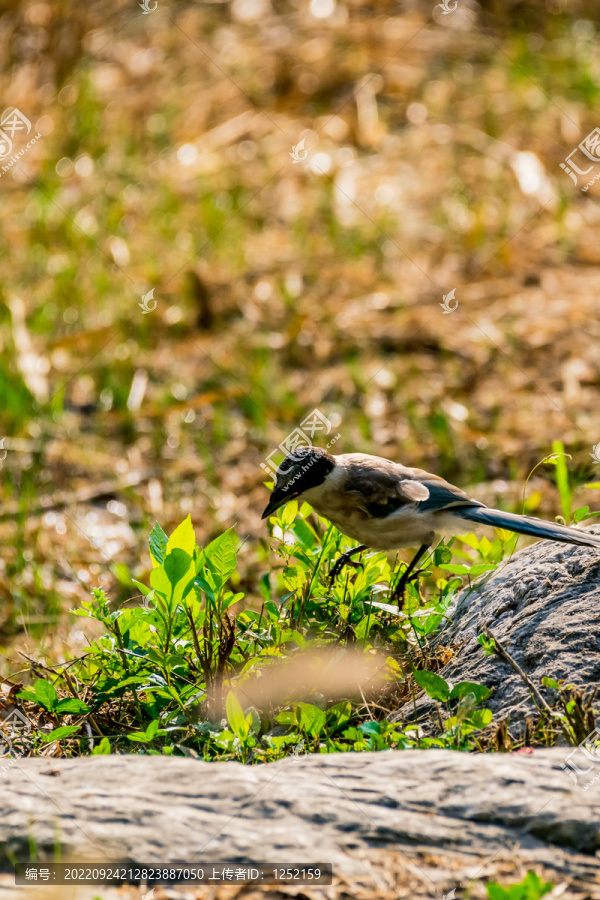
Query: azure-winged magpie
(386, 505)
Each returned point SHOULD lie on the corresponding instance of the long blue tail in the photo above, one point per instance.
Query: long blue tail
(529, 525)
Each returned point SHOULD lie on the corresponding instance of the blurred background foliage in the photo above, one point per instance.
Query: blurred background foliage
(433, 147)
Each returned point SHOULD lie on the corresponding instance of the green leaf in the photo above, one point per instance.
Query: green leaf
(294, 578)
(158, 545)
(363, 628)
(580, 514)
(530, 888)
(102, 749)
(175, 578)
(58, 733)
(230, 598)
(297, 637)
(535, 886)
(71, 706)
(310, 718)
(139, 736)
(137, 679)
(441, 555)
(484, 547)
(588, 515)
(434, 685)
(466, 706)
(481, 717)
(370, 728)
(474, 571)
(221, 558)
(273, 611)
(183, 538)
(463, 688)
(338, 715)
(152, 729)
(353, 734)
(488, 644)
(205, 582)
(551, 683)
(456, 570)
(253, 720)
(177, 565)
(265, 586)
(235, 716)
(304, 533)
(27, 695)
(45, 694)
(551, 459)
(287, 514)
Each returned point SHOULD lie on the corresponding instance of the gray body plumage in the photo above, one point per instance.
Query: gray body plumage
(386, 505)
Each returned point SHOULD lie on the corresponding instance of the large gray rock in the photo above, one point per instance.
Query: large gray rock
(436, 818)
(544, 606)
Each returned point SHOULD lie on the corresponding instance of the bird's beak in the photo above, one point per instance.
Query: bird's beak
(277, 500)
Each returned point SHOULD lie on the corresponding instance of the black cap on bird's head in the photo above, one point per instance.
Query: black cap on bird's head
(305, 468)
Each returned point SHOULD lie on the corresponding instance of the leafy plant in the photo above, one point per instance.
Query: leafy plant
(169, 675)
(46, 696)
(558, 459)
(466, 718)
(530, 888)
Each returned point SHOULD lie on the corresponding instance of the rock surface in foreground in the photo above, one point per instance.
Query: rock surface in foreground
(442, 816)
(544, 606)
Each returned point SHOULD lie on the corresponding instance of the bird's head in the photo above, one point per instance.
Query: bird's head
(305, 468)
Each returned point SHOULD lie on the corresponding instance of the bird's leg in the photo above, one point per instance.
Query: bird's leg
(346, 560)
(409, 574)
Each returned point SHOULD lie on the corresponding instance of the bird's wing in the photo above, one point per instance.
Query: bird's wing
(442, 494)
(380, 487)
